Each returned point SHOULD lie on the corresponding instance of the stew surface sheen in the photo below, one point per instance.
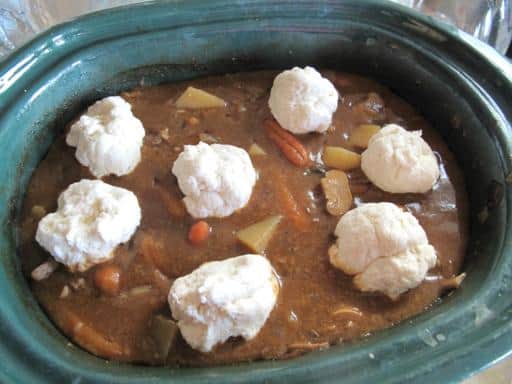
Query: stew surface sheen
(305, 317)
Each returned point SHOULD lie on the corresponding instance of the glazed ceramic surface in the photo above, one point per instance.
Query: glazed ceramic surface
(460, 85)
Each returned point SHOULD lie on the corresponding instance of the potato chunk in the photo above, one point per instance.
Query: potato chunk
(257, 236)
(194, 98)
(256, 150)
(362, 134)
(341, 158)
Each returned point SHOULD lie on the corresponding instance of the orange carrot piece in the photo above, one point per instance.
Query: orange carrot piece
(108, 278)
(161, 282)
(199, 232)
(92, 340)
(174, 206)
(295, 213)
(153, 252)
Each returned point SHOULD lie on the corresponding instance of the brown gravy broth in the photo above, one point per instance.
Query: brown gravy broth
(305, 317)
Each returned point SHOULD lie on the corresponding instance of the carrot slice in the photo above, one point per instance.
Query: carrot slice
(174, 206)
(161, 282)
(92, 340)
(153, 252)
(107, 278)
(199, 232)
(292, 210)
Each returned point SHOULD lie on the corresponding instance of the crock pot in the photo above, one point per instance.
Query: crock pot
(463, 87)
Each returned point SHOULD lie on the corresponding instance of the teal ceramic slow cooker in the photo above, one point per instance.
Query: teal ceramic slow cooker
(461, 86)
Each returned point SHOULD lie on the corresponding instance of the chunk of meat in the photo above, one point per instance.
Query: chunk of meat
(337, 192)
